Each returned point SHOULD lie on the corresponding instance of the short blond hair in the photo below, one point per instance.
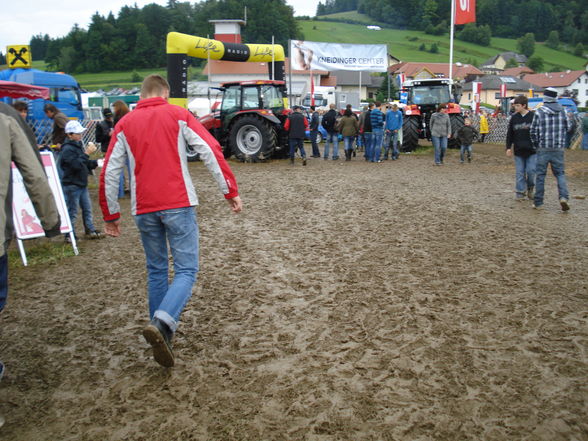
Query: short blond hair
(154, 85)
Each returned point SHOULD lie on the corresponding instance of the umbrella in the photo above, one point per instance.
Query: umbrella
(18, 90)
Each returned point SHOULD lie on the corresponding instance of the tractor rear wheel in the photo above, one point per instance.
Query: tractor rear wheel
(456, 124)
(252, 138)
(410, 133)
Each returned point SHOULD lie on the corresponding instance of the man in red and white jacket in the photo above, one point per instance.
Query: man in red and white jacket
(153, 138)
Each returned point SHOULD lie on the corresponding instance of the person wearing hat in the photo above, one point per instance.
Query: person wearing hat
(76, 165)
(548, 134)
(104, 129)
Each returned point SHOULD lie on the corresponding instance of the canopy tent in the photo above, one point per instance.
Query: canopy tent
(18, 90)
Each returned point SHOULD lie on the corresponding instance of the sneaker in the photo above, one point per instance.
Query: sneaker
(67, 238)
(94, 235)
(538, 207)
(469, 159)
(159, 336)
(530, 193)
(303, 161)
(564, 204)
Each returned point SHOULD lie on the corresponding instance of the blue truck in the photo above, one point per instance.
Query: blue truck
(65, 94)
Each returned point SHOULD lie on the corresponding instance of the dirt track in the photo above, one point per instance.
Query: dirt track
(350, 301)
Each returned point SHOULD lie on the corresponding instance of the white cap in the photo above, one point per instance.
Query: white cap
(74, 127)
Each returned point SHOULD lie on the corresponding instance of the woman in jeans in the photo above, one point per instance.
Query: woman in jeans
(440, 132)
(348, 127)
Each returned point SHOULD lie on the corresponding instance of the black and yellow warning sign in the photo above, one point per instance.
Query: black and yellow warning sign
(18, 56)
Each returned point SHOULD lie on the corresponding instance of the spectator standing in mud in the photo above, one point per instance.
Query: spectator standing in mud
(393, 126)
(314, 130)
(484, 129)
(548, 133)
(76, 165)
(440, 132)
(518, 136)
(466, 135)
(329, 122)
(377, 119)
(154, 137)
(365, 130)
(59, 122)
(104, 129)
(16, 146)
(120, 110)
(296, 126)
(348, 126)
(585, 132)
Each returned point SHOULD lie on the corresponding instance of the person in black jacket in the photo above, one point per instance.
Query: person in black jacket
(314, 129)
(76, 166)
(296, 125)
(466, 135)
(519, 136)
(104, 130)
(330, 124)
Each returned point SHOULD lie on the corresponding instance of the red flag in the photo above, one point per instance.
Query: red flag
(465, 11)
(503, 90)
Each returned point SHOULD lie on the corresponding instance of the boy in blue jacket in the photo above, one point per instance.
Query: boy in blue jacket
(393, 126)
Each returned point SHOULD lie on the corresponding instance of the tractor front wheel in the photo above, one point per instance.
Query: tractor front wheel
(410, 133)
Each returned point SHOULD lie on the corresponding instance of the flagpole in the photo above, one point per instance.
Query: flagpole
(451, 39)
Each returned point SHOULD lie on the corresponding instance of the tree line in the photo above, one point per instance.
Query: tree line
(136, 37)
(500, 18)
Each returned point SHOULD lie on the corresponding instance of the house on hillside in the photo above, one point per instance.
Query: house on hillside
(572, 83)
(413, 71)
(491, 89)
(498, 62)
(518, 72)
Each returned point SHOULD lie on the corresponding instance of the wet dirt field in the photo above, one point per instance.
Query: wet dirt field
(349, 301)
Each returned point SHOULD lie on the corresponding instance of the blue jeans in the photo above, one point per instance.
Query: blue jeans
(440, 144)
(74, 196)
(315, 149)
(556, 159)
(179, 227)
(391, 138)
(463, 149)
(377, 137)
(3, 280)
(348, 141)
(296, 143)
(525, 174)
(367, 152)
(332, 138)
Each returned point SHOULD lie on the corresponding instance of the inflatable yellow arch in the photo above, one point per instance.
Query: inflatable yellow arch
(180, 46)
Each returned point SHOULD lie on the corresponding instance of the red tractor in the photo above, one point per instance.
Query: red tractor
(423, 97)
(249, 121)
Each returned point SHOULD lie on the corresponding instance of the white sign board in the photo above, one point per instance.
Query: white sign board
(26, 222)
(313, 55)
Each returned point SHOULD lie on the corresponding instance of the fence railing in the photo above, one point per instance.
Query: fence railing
(498, 126)
(44, 128)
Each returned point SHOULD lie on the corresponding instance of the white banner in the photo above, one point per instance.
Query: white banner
(26, 223)
(313, 55)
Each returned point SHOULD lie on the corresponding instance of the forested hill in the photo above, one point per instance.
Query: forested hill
(505, 18)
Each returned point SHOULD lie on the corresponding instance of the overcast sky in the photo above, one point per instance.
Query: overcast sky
(22, 19)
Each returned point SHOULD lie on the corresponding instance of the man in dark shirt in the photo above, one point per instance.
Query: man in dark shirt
(59, 122)
(314, 129)
(104, 129)
(296, 125)
(519, 136)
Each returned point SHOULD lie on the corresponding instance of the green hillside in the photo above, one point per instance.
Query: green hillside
(404, 45)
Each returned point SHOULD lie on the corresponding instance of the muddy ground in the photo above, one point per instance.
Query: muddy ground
(349, 301)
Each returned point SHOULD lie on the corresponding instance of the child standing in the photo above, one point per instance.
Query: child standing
(76, 166)
(466, 136)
